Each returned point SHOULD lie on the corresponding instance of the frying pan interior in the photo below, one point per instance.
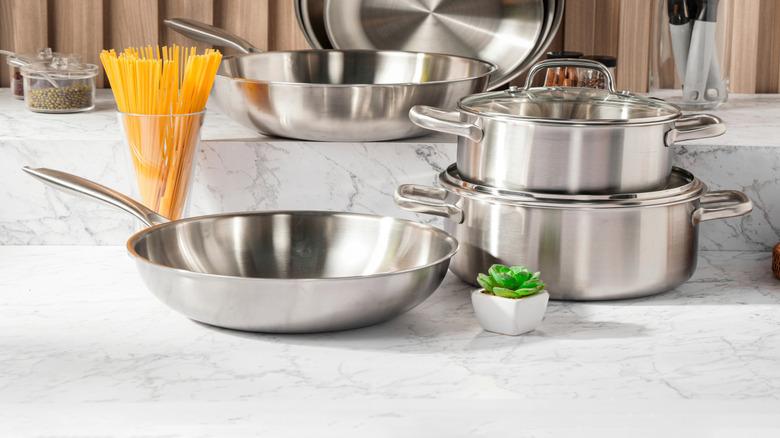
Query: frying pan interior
(353, 67)
(292, 245)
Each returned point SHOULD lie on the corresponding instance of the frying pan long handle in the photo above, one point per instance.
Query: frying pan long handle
(209, 34)
(72, 183)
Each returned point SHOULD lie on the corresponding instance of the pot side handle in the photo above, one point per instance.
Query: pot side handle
(722, 204)
(448, 122)
(428, 200)
(695, 127)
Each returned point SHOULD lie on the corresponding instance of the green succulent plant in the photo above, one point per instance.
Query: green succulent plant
(510, 281)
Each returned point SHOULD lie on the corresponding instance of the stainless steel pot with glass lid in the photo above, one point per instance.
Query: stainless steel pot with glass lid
(589, 247)
(566, 140)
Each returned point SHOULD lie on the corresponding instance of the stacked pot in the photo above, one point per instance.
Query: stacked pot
(576, 183)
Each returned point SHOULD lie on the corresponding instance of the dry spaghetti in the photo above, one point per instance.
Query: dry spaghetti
(161, 93)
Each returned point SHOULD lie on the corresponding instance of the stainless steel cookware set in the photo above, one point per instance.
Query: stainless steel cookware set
(574, 182)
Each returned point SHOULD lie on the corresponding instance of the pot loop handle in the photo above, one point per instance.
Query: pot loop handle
(694, 127)
(428, 200)
(722, 204)
(609, 81)
(448, 122)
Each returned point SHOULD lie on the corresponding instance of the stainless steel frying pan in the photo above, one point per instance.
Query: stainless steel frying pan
(281, 272)
(334, 95)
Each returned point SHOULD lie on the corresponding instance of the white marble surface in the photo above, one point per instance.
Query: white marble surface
(239, 170)
(85, 350)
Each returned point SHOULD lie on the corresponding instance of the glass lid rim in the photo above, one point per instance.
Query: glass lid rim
(690, 188)
(469, 104)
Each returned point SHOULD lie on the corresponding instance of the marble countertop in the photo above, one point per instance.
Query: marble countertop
(85, 350)
(752, 120)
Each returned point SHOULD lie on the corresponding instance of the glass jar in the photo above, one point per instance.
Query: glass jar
(62, 85)
(562, 76)
(15, 61)
(688, 58)
(591, 78)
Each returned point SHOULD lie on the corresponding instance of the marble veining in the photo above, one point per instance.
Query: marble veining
(80, 337)
(239, 170)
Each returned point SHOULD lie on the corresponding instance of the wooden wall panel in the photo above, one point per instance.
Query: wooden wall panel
(744, 35)
(284, 34)
(247, 18)
(201, 10)
(634, 46)
(622, 28)
(132, 23)
(768, 63)
(76, 26)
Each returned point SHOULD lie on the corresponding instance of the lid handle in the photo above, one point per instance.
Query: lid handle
(609, 81)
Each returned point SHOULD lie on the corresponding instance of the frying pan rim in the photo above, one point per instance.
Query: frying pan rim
(137, 236)
(490, 68)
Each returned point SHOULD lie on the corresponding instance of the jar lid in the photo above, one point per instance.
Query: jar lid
(43, 54)
(61, 67)
(681, 186)
(563, 54)
(570, 105)
(609, 61)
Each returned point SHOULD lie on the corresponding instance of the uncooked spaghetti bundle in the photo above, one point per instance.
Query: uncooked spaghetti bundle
(161, 94)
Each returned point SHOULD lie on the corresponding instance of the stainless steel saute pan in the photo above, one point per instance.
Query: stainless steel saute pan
(284, 271)
(334, 95)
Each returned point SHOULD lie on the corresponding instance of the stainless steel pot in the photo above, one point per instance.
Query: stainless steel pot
(586, 247)
(283, 271)
(566, 140)
(334, 95)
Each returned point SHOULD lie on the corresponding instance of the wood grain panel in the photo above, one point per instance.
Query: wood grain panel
(284, 33)
(579, 25)
(744, 35)
(245, 18)
(634, 46)
(605, 28)
(201, 10)
(6, 37)
(132, 23)
(768, 63)
(76, 26)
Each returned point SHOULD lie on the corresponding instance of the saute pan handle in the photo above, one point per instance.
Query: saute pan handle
(72, 183)
(210, 34)
(428, 200)
(435, 119)
(694, 127)
(722, 204)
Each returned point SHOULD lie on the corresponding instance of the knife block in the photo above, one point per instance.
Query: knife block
(776, 261)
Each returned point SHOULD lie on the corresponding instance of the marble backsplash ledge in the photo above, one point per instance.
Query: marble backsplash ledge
(239, 170)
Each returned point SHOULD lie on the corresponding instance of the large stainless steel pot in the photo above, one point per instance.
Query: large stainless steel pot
(282, 271)
(567, 140)
(334, 95)
(587, 247)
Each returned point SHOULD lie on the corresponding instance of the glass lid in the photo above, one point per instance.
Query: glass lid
(61, 67)
(570, 105)
(682, 186)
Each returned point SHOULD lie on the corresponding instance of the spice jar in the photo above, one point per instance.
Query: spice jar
(562, 76)
(62, 85)
(591, 78)
(15, 62)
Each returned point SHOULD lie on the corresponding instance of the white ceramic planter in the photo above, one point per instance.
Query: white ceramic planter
(509, 316)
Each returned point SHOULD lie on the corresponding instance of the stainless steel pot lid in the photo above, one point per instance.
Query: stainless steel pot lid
(504, 33)
(570, 105)
(682, 186)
